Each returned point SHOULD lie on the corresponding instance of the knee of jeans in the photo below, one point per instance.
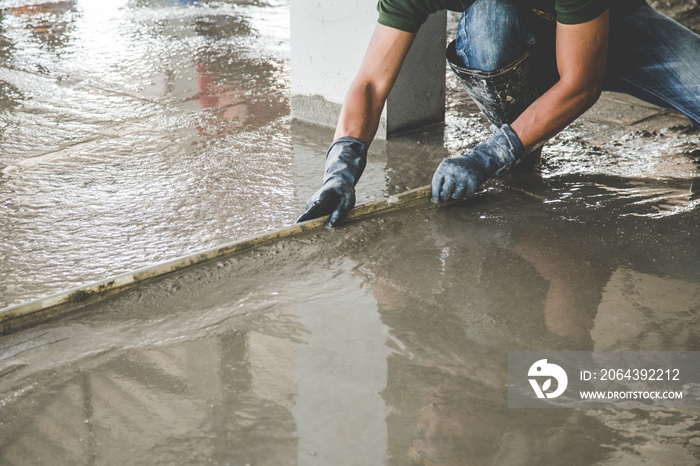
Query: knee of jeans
(492, 34)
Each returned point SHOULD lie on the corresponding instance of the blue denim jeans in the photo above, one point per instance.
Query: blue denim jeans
(650, 56)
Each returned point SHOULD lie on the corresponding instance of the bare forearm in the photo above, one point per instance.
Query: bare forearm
(361, 113)
(364, 102)
(552, 112)
(581, 52)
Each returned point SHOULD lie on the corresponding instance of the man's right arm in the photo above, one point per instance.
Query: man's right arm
(358, 123)
(364, 102)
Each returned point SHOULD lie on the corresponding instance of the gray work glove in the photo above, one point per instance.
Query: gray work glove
(459, 177)
(345, 161)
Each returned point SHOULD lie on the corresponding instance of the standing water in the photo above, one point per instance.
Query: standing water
(137, 131)
(132, 132)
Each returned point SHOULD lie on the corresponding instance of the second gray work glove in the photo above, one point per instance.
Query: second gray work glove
(345, 162)
(460, 177)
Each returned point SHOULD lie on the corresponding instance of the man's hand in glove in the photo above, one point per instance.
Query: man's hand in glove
(345, 161)
(460, 177)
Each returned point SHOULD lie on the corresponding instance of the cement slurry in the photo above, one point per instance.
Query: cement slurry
(137, 133)
(375, 343)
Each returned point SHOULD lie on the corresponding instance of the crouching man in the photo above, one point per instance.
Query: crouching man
(532, 67)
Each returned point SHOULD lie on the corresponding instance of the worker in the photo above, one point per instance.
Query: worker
(532, 67)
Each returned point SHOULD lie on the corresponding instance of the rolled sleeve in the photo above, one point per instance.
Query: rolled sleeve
(579, 11)
(401, 14)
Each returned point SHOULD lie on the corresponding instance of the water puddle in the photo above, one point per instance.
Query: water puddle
(139, 131)
(144, 130)
(388, 337)
(136, 132)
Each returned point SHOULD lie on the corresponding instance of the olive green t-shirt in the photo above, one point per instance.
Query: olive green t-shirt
(409, 15)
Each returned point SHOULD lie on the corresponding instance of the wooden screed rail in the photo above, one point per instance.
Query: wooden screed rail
(35, 312)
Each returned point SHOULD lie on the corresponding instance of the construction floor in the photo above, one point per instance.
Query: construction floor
(382, 342)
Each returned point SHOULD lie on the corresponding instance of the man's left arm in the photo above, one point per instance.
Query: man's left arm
(581, 51)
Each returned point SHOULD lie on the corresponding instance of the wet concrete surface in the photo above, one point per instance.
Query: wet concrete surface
(136, 131)
(376, 343)
(139, 132)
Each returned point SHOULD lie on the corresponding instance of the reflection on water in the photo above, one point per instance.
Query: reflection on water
(135, 132)
(384, 342)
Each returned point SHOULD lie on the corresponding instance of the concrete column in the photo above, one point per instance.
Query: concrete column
(328, 42)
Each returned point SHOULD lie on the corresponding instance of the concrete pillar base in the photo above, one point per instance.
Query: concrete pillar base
(328, 41)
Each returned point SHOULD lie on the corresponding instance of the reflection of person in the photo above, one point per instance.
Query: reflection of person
(454, 429)
(532, 67)
(457, 294)
(436, 290)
